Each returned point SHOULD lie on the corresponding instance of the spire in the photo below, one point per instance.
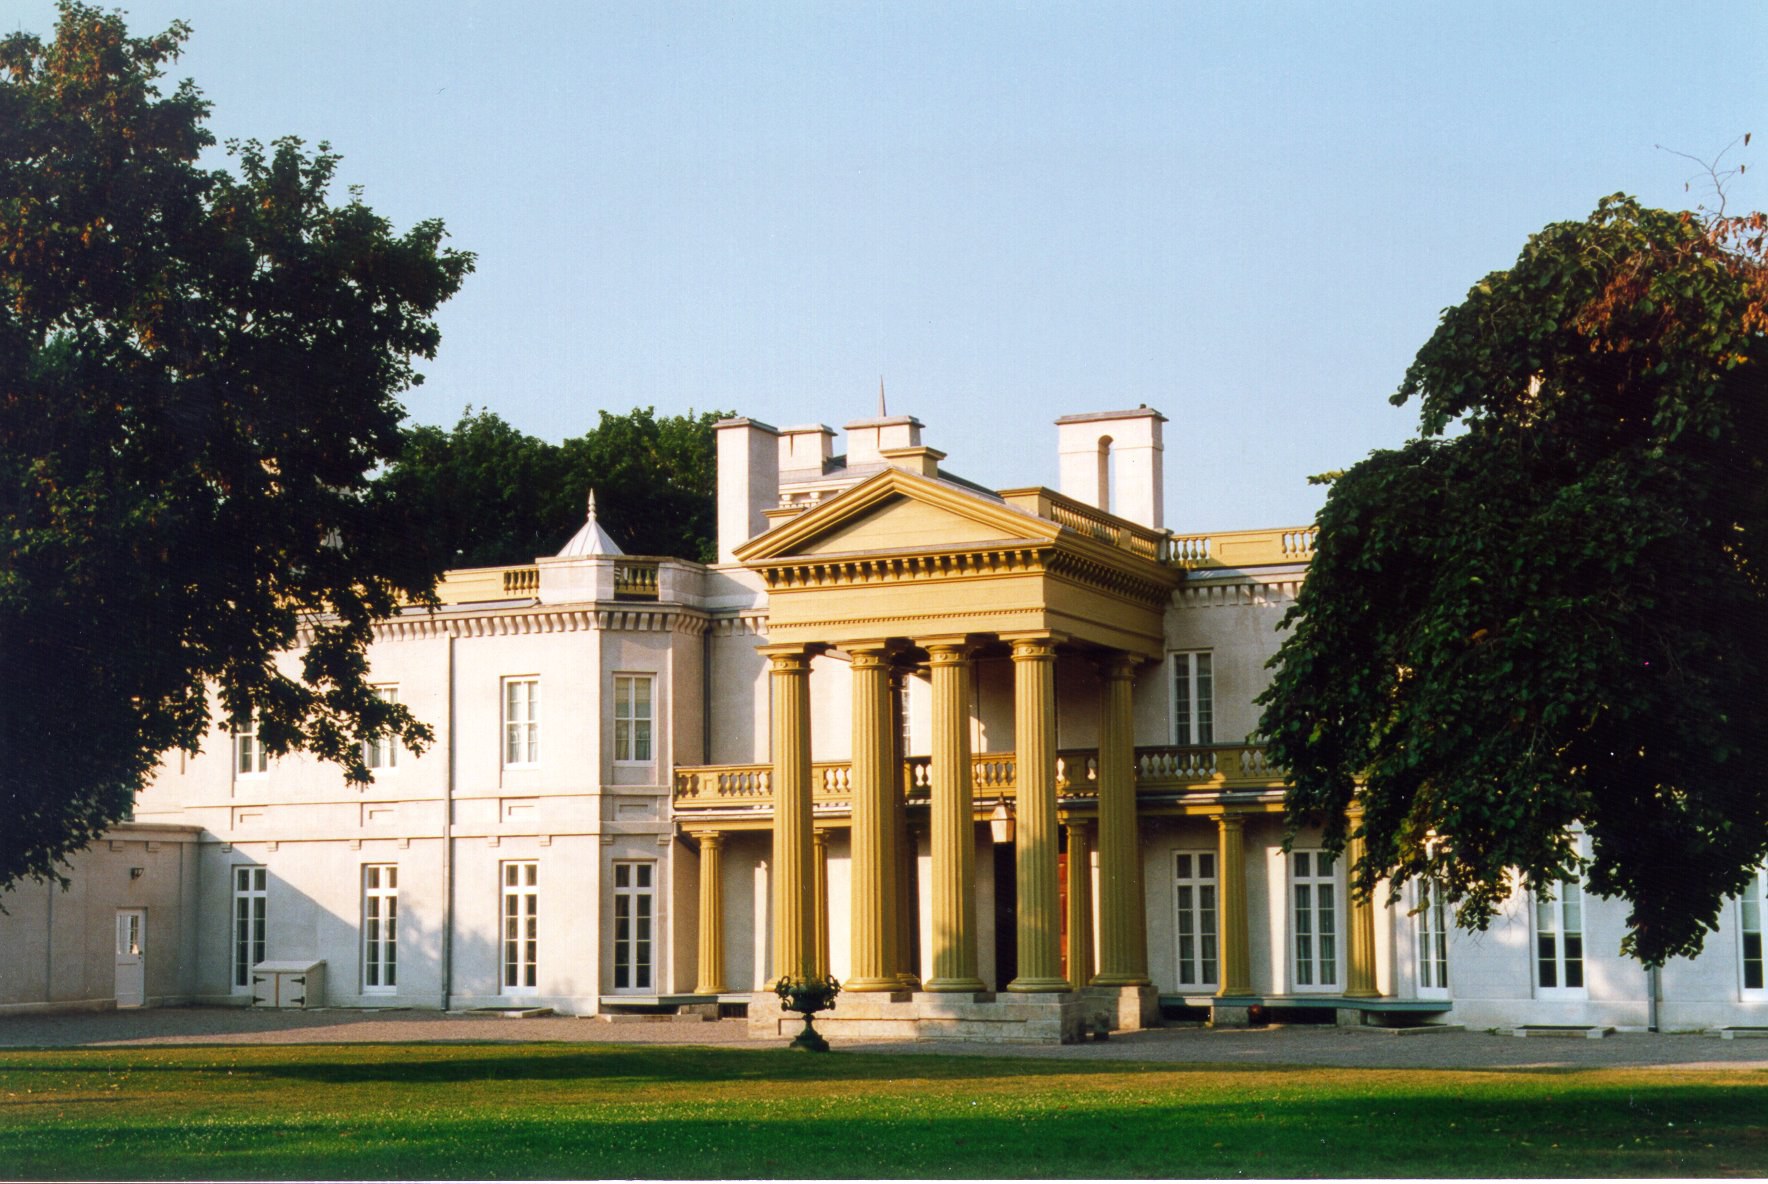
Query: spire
(590, 538)
(881, 412)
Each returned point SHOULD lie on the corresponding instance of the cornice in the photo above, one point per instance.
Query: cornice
(1238, 593)
(605, 617)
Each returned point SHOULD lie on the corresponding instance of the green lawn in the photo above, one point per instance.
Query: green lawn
(599, 1111)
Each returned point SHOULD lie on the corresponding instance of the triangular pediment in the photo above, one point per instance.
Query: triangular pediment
(897, 511)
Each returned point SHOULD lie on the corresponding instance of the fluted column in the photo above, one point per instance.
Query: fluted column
(1359, 980)
(1123, 940)
(907, 901)
(874, 827)
(1080, 904)
(711, 977)
(819, 863)
(1035, 839)
(1231, 921)
(954, 828)
(793, 880)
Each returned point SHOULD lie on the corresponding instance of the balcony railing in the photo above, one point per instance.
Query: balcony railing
(1161, 770)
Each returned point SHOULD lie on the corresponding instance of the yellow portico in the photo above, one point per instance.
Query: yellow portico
(906, 571)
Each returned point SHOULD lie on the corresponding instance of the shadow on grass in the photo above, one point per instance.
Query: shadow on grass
(1281, 1131)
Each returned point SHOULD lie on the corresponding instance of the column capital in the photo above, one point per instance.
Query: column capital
(1231, 821)
(1117, 666)
(869, 657)
(787, 659)
(708, 838)
(1033, 649)
(819, 837)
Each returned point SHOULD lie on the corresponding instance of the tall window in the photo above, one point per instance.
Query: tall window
(1433, 938)
(1559, 938)
(1313, 886)
(1195, 889)
(1753, 906)
(249, 758)
(383, 751)
(632, 718)
(250, 896)
(521, 927)
(521, 721)
(1193, 698)
(634, 913)
(380, 928)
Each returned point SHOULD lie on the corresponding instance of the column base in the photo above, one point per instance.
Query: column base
(1039, 985)
(891, 983)
(972, 985)
(908, 982)
(1123, 1008)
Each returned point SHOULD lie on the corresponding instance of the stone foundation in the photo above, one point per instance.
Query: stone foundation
(1123, 1009)
(982, 1017)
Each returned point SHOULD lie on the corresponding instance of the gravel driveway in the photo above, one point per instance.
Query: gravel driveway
(1295, 1045)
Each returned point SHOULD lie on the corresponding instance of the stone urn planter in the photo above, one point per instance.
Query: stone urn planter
(807, 996)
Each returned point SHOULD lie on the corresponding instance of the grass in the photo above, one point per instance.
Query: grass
(498, 1111)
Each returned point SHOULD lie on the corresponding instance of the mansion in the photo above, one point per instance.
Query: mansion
(981, 755)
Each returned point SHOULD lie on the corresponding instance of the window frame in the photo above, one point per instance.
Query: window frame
(1193, 698)
(1430, 925)
(248, 922)
(1196, 870)
(634, 905)
(630, 681)
(519, 903)
(530, 720)
(381, 755)
(1562, 933)
(1326, 943)
(247, 750)
(1754, 899)
(380, 928)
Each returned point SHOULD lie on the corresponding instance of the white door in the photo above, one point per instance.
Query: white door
(131, 957)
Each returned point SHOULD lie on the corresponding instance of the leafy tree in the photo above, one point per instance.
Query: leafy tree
(198, 372)
(485, 493)
(1556, 614)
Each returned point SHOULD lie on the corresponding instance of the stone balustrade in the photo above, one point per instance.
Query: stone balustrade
(1160, 770)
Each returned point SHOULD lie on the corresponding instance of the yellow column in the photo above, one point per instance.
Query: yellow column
(819, 862)
(1123, 941)
(874, 827)
(954, 828)
(1034, 715)
(711, 978)
(1359, 980)
(1080, 904)
(793, 886)
(907, 903)
(1231, 934)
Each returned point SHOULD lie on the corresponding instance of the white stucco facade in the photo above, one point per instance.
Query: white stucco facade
(596, 716)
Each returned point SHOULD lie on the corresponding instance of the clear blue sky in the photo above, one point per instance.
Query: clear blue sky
(1246, 215)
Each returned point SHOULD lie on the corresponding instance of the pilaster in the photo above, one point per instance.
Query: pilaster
(1231, 920)
(1080, 903)
(819, 863)
(711, 944)
(1359, 980)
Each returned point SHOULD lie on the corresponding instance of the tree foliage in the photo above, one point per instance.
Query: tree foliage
(198, 371)
(485, 493)
(1555, 615)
